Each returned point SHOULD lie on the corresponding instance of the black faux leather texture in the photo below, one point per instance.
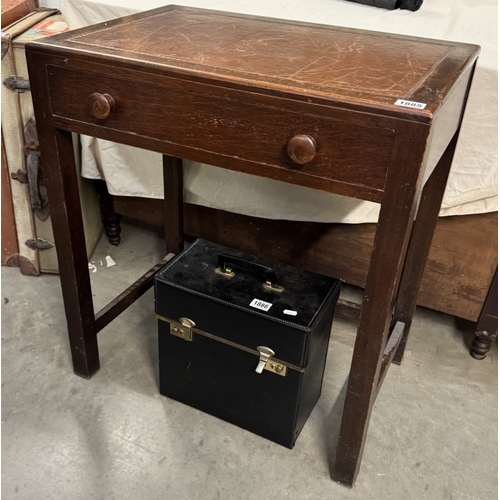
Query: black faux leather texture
(220, 379)
(194, 270)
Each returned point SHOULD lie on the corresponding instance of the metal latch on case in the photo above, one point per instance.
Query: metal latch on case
(183, 328)
(17, 83)
(267, 363)
(38, 244)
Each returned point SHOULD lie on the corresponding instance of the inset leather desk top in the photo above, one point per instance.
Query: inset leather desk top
(318, 61)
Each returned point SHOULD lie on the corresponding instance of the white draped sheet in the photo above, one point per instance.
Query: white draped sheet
(472, 186)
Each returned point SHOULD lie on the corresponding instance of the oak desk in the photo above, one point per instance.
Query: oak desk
(362, 114)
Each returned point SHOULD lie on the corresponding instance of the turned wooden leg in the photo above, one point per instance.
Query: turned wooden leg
(110, 219)
(174, 204)
(482, 343)
(420, 242)
(487, 326)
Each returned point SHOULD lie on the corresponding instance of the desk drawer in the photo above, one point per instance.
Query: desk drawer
(303, 148)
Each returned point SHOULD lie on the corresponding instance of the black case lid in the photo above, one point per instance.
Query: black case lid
(304, 292)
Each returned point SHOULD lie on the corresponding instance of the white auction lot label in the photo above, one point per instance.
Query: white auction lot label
(410, 104)
(260, 304)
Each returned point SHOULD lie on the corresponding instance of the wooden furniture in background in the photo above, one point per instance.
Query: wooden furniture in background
(12, 10)
(487, 326)
(457, 275)
(33, 228)
(165, 85)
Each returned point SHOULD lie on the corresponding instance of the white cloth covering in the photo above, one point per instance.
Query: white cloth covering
(472, 187)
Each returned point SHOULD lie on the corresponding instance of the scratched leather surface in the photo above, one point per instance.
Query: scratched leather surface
(304, 292)
(349, 63)
(345, 62)
(472, 187)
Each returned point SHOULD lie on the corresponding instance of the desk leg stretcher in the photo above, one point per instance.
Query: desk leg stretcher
(128, 296)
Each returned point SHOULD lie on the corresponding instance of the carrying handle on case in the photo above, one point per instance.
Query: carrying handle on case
(268, 275)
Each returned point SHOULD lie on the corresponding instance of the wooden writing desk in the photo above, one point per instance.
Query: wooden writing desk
(305, 104)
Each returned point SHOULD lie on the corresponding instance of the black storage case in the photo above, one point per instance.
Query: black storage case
(223, 317)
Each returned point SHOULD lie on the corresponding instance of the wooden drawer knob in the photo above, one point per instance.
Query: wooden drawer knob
(301, 149)
(101, 105)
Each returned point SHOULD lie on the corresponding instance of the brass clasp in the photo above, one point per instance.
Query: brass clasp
(227, 272)
(183, 328)
(264, 355)
(273, 287)
(266, 362)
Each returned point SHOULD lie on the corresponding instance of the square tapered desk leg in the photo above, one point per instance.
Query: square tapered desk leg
(67, 221)
(397, 210)
(173, 188)
(59, 169)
